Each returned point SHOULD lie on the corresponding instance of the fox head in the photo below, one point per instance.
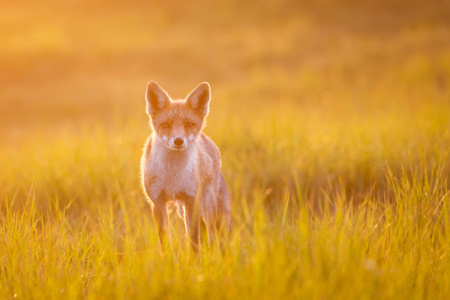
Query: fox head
(177, 123)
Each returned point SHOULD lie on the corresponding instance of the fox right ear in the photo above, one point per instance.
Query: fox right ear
(157, 98)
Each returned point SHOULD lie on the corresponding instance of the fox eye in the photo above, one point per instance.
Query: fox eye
(165, 125)
(190, 124)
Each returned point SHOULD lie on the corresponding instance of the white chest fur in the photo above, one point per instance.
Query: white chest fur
(173, 172)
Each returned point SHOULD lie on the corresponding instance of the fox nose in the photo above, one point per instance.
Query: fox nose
(178, 141)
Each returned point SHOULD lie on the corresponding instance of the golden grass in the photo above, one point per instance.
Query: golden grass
(333, 121)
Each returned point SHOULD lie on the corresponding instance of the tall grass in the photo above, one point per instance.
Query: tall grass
(377, 249)
(333, 121)
(307, 222)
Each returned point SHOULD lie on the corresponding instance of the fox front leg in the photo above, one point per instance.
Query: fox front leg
(192, 223)
(161, 219)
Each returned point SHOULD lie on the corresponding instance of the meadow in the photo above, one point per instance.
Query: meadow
(333, 120)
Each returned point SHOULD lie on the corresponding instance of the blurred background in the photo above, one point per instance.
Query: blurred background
(67, 62)
(329, 90)
(333, 122)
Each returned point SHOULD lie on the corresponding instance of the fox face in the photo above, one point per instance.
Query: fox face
(177, 123)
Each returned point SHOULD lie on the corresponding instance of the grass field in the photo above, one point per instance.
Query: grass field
(333, 119)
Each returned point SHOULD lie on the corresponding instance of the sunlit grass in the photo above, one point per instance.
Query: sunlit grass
(333, 121)
(320, 210)
(379, 248)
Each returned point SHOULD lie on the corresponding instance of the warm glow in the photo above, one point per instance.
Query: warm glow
(333, 122)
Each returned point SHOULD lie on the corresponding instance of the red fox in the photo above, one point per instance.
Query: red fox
(182, 164)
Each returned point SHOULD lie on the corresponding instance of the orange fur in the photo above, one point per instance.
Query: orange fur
(182, 164)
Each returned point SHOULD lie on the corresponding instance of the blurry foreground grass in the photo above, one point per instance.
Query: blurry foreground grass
(319, 211)
(95, 237)
(333, 121)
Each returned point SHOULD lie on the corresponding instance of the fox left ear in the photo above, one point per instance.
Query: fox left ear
(157, 99)
(199, 99)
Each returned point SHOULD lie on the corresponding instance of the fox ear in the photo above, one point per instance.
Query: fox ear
(199, 98)
(157, 98)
